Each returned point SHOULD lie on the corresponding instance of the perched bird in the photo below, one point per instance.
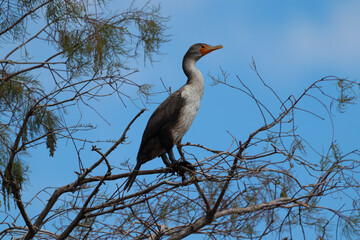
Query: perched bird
(173, 117)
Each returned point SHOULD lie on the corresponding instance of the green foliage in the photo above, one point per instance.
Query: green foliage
(18, 99)
(333, 156)
(286, 187)
(14, 91)
(18, 177)
(98, 42)
(144, 91)
(88, 36)
(351, 226)
(296, 146)
(249, 229)
(88, 40)
(11, 17)
(347, 95)
(44, 121)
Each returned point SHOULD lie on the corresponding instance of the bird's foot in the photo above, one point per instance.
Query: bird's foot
(171, 170)
(180, 167)
(183, 165)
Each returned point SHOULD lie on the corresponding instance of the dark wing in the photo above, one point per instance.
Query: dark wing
(161, 120)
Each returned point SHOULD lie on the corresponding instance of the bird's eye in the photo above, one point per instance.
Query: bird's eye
(202, 46)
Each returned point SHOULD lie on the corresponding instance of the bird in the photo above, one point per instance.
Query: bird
(174, 116)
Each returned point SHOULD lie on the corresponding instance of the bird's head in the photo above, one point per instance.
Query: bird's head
(198, 50)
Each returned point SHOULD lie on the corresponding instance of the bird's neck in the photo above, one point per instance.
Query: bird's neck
(193, 74)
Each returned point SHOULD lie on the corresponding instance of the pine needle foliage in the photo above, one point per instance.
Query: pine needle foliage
(88, 47)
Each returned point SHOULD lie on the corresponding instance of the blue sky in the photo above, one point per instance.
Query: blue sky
(293, 43)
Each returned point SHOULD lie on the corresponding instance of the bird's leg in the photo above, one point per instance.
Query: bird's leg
(167, 163)
(179, 166)
(165, 160)
(177, 163)
(179, 148)
(174, 162)
(171, 156)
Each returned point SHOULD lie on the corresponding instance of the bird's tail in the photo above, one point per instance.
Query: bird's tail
(131, 179)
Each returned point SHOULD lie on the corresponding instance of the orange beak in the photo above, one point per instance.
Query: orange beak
(207, 49)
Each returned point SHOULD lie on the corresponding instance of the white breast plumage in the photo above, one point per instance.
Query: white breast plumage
(192, 95)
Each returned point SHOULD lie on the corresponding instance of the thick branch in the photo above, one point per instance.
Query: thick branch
(203, 221)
